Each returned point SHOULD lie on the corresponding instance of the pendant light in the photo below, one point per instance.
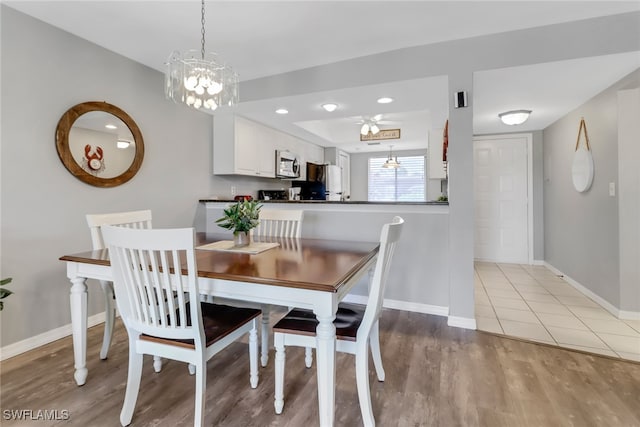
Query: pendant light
(391, 163)
(199, 80)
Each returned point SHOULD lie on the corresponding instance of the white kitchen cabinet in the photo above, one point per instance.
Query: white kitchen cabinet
(243, 147)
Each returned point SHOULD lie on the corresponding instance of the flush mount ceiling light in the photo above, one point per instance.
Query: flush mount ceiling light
(330, 107)
(282, 111)
(391, 162)
(122, 144)
(385, 100)
(199, 80)
(514, 117)
(110, 126)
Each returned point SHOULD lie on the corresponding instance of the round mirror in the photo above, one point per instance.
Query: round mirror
(99, 144)
(582, 169)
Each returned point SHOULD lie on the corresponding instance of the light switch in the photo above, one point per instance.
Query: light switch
(612, 189)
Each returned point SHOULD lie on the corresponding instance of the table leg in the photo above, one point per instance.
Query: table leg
(78, 300)
(326, 368)
(264, 340)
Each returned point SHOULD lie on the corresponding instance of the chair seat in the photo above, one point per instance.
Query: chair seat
(304, 322)
(218, 321)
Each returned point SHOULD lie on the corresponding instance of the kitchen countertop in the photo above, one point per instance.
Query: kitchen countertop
(350, 202)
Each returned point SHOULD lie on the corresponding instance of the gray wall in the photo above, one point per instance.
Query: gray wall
(458, 60)
(581, 229)
(43, 206)
(44, 72)
(629, 197)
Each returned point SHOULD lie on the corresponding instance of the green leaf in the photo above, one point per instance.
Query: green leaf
(241, 217)
(5, 293)
(5, 281)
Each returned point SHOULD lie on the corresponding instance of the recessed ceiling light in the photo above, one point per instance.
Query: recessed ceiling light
(110, 126)
(385, 100)
(282, 111)
(330, 107)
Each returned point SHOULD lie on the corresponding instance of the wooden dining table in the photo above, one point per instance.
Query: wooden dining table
(314, 274)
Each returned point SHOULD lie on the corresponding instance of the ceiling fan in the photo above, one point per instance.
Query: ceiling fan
(370, 124)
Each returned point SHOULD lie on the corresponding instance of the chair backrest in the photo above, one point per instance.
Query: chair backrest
(389, 236)
(133, 219)
(151, 294)
(279, 223)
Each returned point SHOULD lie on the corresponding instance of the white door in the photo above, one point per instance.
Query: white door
(501, 188)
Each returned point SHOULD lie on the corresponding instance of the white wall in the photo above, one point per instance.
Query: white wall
(581, 236)
(44, 72)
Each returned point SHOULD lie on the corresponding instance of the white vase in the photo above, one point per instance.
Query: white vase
(241, 238)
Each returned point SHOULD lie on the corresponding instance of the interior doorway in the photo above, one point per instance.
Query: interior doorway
(502, 192)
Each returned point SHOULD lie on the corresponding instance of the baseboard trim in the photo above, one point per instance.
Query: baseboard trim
(436, 310)
(620, 314)
(462, 322)
(538, 262)
(31, 343)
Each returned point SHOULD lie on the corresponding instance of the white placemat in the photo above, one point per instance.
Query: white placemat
(228, 246)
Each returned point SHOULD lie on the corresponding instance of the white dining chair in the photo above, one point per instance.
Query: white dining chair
(132, 219)
(149, 271)
(356, 328)
(279, 223)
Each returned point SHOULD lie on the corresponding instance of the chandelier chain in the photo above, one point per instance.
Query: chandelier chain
(202, 50)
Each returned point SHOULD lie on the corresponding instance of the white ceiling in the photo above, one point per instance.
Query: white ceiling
(263, 38)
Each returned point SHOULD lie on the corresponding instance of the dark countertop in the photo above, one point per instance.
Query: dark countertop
(351, 202)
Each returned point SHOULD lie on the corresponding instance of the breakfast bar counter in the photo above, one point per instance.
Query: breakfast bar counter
(419, 274)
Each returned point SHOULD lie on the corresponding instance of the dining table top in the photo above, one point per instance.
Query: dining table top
(315, 264)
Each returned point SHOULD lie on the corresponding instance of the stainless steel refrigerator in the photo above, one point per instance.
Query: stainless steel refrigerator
(330, 176)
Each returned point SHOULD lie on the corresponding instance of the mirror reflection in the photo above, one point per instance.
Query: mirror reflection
(102, 144)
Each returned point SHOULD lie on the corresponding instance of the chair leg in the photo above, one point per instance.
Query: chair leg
(201, 384)
(308, 356)
(264, 339)
(253, 356)
(109, 317)
(278, 341)
(157, 363)
(374, 342)
(133, 384)
(362, 379)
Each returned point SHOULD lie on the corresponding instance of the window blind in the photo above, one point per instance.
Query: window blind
(404, 184)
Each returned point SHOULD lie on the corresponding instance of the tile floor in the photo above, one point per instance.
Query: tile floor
(531, 302)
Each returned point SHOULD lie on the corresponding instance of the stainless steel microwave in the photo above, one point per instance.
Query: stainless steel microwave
(287, 165)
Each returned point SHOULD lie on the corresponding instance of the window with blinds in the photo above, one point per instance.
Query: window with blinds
(404, 184)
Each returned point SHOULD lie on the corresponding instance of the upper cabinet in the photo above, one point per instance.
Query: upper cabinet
(244, 147)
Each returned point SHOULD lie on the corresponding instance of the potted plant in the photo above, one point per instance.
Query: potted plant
(240, 218)
(4, 292)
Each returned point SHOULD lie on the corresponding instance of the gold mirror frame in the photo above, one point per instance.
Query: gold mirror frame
(62, 143)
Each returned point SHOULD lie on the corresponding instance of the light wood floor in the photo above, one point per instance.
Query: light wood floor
(436, 376)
